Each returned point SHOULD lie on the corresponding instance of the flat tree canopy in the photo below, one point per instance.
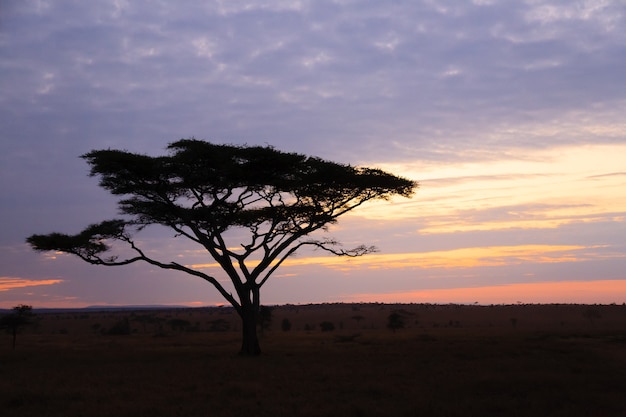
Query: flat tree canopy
(203, 191)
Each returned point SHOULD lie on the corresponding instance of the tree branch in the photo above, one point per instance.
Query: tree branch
(324, 245)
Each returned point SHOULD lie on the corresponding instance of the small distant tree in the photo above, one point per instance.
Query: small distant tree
(22, 315)
(285, 325)
(395, 321)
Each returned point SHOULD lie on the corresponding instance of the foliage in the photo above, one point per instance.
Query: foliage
(179, 324)
(285, 325)
(22, 315)
(219, 325)
(395, 321)
(120, 328)
(204, 191)
(327, 326)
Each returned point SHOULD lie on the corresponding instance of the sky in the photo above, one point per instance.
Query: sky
(510, 114)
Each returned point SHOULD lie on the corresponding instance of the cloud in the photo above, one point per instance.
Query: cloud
(231, 65)
(12, 283)
(537, 189)
(470, 257)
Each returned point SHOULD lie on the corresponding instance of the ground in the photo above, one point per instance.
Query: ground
(448, 360)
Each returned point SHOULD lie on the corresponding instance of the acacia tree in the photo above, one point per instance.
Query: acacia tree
(21, 316)
(204, 192)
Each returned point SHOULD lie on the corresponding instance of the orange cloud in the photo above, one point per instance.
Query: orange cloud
(11, 283)
(455, 258)
(581, 292)
(542, 189)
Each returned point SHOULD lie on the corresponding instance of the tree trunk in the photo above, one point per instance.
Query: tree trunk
(250, 340)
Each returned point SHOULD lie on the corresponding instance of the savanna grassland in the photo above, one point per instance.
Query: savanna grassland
(447, 360)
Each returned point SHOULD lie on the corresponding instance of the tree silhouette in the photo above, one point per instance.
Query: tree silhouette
(395, 321)
(206, 193)
(21, 316)
(285, 325)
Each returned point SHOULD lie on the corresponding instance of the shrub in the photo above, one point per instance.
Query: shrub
(285, 325)
(120, 328)
(179, 324)
(395, 321)
(219, 325)
(327, 326)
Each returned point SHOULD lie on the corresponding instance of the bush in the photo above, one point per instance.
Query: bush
(219, 325)
(285, 325)
(327, 326)
(121, 328)
(21, 316)
(179, 324)
(395, 321)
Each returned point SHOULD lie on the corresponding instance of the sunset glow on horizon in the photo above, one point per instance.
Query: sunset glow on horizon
(561, 292)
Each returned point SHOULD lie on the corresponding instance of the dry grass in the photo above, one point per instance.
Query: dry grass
(449, 361)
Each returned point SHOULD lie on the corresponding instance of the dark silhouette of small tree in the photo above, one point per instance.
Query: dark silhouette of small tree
(22, 315)
(285, 325)
(327, 326)
(395, 321)
(203, 192)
